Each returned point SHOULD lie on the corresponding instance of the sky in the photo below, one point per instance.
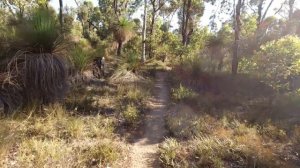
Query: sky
(209, 9)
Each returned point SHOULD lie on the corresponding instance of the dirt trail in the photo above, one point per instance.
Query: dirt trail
(145, 148)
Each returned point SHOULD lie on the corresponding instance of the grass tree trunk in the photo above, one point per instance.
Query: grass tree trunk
(61, 14)
(119, 51)
(144, 32)
(237, 28)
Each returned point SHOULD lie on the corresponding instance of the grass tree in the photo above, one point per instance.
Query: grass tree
(37, 73)
(123, 33)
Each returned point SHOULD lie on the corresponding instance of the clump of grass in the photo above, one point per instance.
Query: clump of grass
(131, 115)
(80, 58)
(43, 153)
(273, 132)
(216, 142)
(186, 125)
(182, 93)
(135, 95)
(58, 139)
(132, 93)
(211, 151)
(81, 101)
(103, 153)
(296, 135)
(169, 150)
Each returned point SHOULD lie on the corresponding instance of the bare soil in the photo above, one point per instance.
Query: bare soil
(153, 132)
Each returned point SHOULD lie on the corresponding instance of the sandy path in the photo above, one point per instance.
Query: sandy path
(145, 148)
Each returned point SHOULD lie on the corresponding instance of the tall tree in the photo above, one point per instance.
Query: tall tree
(261, 10)
(190, 12)
(156, 6)
(144, 32)
(18, 8)
(61, 14)
(237, 29)
(291, 8)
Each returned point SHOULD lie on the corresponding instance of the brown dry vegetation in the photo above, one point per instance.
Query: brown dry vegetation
(233, 122)
(81, 132)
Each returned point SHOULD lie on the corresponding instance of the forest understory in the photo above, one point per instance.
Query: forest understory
(149, 84)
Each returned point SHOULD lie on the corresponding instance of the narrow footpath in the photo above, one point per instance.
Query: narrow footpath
(145, 148)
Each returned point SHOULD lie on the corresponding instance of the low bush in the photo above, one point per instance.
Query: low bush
(278, 64)
(182, 93)
(80, 58)
(131, 115)
(103, 153)
(168, 152)
(43, 153)
(208, 141)
(58, 139)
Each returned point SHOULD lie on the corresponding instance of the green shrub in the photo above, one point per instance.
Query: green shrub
(278, 62)
(133, 60)
(193, 65)
(182, 93)
(40, 32)
(212, 151)
(131, 115)
(102, 154)
(80, 58)
(136, 95)
(168, 152)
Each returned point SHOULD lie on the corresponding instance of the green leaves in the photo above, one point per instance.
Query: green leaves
(80, 58)
(279, 62)
(40, 32)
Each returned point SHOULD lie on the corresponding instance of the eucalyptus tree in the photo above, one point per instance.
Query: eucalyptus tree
(291, 8)
(144, 32)
(18, 8)
(261, 9)
(189, 14)
(237, 29)
(61, 14)
(90, 19)
(156, 7)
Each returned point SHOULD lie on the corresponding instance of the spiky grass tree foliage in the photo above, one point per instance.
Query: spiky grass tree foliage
(39, 32)
(37, 73)
(123, 33)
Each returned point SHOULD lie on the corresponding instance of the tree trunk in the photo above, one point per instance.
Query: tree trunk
(237, 28)
(115, 6)
(144, 32)
(186, 13)
(119, 51)
(259, 14)
(183, 22)
(151, 30)
(291, 8)
(61, 14)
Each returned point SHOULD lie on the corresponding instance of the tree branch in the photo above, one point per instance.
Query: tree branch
(264, 16)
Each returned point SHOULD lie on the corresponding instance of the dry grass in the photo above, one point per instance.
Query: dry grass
(210, 141)
(60, 140)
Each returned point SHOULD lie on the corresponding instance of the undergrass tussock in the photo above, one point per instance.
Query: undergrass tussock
(60, 140)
